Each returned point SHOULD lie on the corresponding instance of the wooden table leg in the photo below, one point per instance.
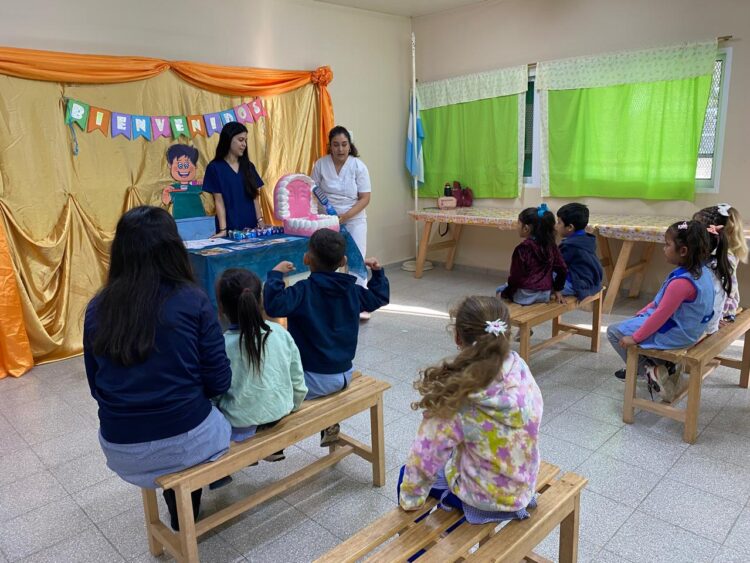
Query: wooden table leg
(377, 443)
(635, 286)
(614, 282)
(452, 252)
(422, 253)
(606, 255)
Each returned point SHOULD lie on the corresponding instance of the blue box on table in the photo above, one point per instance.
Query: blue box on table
(195, 228)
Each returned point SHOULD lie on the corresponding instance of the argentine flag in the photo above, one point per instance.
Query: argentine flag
(414, 160)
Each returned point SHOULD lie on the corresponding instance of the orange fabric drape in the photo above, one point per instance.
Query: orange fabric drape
(15, 352)
(51, 66)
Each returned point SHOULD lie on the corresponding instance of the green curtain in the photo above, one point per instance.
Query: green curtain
(629, 141)
(475, 143)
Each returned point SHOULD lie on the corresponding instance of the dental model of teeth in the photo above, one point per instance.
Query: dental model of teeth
(297, 208)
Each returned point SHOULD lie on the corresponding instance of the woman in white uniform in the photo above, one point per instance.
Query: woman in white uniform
(345, 180)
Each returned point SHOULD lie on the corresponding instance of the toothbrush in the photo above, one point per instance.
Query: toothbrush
(323, 199)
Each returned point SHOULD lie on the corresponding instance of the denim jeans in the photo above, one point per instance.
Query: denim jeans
(526, 296)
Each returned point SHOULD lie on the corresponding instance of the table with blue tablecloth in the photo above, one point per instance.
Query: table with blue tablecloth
(260, 256)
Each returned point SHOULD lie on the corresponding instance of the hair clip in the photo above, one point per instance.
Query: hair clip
(496, 327)
(723, 209)
(682, 226)
(542, 209)
(714, 229)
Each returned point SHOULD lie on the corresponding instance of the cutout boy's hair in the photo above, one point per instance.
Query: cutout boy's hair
(327, 249)
(176, 151)
(576, 214)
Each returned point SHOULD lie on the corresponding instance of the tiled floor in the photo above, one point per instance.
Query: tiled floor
(650, 496)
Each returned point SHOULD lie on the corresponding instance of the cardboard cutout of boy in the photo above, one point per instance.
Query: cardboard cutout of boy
(184, 193)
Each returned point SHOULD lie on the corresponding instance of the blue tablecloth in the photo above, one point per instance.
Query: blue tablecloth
(209, 263)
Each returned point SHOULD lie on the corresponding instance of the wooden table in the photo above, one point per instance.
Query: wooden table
(633, 230)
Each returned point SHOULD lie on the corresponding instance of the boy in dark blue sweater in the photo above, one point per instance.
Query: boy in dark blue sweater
(323, 313)
(578, 249)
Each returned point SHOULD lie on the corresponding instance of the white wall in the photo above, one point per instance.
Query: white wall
(370, 55)
(511, 32)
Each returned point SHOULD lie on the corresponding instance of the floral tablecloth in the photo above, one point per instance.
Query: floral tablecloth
(643, 228)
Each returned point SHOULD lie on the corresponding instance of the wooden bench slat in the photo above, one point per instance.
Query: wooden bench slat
(393, 522)
(715, 344)
(292, 429)
(373, 535)
(511, 543)
(417, 537)
(362, 394)
(525, 317)
(699, 360)
(458, 542)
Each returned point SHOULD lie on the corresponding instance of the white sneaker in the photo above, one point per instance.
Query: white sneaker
(364, 316)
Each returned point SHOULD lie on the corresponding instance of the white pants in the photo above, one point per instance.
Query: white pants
(357, 228)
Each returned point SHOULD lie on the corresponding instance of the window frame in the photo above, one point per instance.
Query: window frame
(711, 186)
(534, 182)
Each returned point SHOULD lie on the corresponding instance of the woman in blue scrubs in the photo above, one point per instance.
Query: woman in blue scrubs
(234, 182)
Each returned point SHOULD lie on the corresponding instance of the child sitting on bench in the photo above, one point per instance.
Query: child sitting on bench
(578, 249)
(476, 449)
(537, 268)
(267, 378)
(679, 314)
(323, 314)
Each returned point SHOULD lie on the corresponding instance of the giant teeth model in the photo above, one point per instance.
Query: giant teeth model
(296, 206)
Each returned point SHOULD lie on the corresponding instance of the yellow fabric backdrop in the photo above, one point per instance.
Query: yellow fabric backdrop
(59, 210)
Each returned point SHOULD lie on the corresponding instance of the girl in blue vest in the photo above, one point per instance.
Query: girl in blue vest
(267, 378)
(679, 314)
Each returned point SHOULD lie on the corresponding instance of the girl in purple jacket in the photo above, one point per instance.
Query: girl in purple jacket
(537, 268)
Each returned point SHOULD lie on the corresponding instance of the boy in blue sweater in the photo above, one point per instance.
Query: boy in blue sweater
(578, 249)
(323, 313)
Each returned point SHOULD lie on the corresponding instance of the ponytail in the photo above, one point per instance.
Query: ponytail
(720, 246)
(238, 293)
(444, 388)
(717, 222)
(253, 327)
(541, 222)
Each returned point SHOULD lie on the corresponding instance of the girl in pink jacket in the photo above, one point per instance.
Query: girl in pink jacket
(476, 448)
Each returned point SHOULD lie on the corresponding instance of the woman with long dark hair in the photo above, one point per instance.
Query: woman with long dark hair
(154, 356)
(234, 182)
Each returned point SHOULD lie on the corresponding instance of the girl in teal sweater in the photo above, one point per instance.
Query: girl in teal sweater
(267, 378)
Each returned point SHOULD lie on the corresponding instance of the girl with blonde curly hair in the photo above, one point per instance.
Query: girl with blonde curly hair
(476, 448)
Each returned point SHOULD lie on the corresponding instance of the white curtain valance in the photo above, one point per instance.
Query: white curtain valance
(472, 87)
(627, 67)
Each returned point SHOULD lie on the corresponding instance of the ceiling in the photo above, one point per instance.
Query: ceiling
(410, 8)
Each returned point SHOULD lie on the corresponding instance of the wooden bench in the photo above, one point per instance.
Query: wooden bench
(314, 416)
(525, 317)
(396, 536)
(698, 361)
